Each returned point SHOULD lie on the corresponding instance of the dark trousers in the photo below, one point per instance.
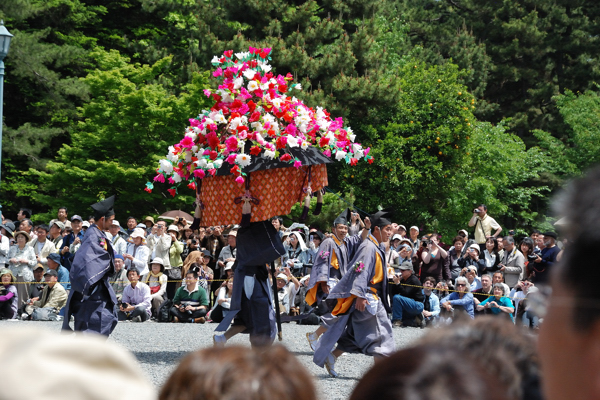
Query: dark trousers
(138, 312)
(185, 316)
(6, 311)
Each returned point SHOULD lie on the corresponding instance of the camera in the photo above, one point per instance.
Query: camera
(532, 257)
(476, 211)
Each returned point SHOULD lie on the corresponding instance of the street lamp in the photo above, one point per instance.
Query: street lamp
(5, 37)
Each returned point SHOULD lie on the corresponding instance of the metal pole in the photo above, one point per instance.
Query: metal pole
(1, 120)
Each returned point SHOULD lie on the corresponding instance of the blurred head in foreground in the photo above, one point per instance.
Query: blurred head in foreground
(239, 373)
(68, 367)
(485, 358)
(569, 341)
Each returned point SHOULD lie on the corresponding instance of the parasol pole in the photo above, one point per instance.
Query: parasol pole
(276, 300)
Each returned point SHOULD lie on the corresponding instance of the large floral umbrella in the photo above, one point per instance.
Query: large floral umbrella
(258, 143)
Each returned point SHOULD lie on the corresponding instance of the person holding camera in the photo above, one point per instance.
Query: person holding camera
(435, 260)
(136, 300)
(483, 224)
(472, 259)
(190, 303)
(356, 224)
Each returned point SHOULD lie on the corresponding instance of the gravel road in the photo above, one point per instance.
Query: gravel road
(159, 347)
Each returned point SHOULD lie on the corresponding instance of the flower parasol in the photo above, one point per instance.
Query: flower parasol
(257, 124)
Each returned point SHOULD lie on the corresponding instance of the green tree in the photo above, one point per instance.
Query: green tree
(124, 130)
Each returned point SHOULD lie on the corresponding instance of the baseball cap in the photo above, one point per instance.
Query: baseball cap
(406, 266)
(76, 217)
(51, 272)
(85, 224)
(115, 222)
(54, 257)
(415, 227)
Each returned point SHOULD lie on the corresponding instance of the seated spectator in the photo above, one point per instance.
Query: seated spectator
(498, 304)
(190, 303)
(483, 293)
(157, 282)
(499, 278)
(21, 262)
(431, 303)
(454, 255)
(8, 295)
(459, 303)
(268, 373)
(472, 259)
(119, 279)
(407, 306)
(35, 289)
(223, 301)
(282, 295)
(522, 313)
(442, 289)
(137, 253)
(296, 253)
(229, 270)
(63, 274)
(471, 274)
(135, 302)
(53, 299)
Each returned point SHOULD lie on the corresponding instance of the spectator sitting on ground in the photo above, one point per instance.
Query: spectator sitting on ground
(499, 278)
(483, 293)
(8, 295)
(157, 282)
(282, 295)
(6, 234)
(119, 280)
(118, 243)
(137, 253)
(190, 303)
(473, 258)
(498, 304)
(431, 303)
(471, 274)
(38, 284)
(53, 299)
(63, 274)
(458, 303)
(522, 313)
(21, 262)
(268, 373)
(135, 302)
(222, 302)
(229, 270)
(442, 289)
(407, 306)
(42, 246)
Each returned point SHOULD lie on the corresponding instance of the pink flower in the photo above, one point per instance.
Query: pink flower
(327, 153)
(231, 143)
(218, 72)
(171, 181)
(199, 173)
(239, 180)
(159, 178)
(187, 142)
(243, 134)
(194, 122)
(231, 158)
(367, 150)
(207, 92)
(297, 163)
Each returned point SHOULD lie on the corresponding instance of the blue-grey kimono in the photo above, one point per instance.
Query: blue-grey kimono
(92, 300)
(251, 300)
(329, 265)
(368, 332)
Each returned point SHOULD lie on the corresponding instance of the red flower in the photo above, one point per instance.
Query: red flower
(255, 150)
(254, 117)
(213, 140)
(235, 170)
(353, 161)
(173, 192)
(323, 142)
(370, 160)
(251, 106)
(147, 189)
(192, 185)
(282, 88)
(285, 157)
(281, 142)
(228, 53)
(213, 155)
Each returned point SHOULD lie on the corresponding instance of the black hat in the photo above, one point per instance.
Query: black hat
(344, 218)
(207, 253)
(381, 218)
(51, 272)
(9, 226)
(319, 235)
(104, 208)
(550, 234)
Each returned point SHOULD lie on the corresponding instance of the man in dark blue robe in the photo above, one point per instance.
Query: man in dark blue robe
(92, 301)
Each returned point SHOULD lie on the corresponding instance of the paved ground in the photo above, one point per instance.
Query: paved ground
(159, 347)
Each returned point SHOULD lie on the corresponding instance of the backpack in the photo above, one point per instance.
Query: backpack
(164, 314)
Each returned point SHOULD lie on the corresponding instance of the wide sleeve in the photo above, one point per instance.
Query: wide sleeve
(322, 262)
(352, 244)
(360, 284)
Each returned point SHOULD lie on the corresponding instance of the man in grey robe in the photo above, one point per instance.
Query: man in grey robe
(362, 324)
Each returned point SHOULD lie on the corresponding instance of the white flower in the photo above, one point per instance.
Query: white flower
(241, 56)
(269, 154)
(241, 144)
(277, 102)
(304, 145)
(215, 60)
(352, 137)
(252, 86)
(257, 126)
(298, 86)
(220, 118)
(218, 163)
(176, 178)
(188, 156)
(172, 156)
(194, 149)
(238, 82)
(166, 166)
(202, 163)
(249, 73)
(210, 166)
(191, 134)
(292, 141)
(209, 121)
(235, 123)
(265, 67)
(340, 155)
(243, 159)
